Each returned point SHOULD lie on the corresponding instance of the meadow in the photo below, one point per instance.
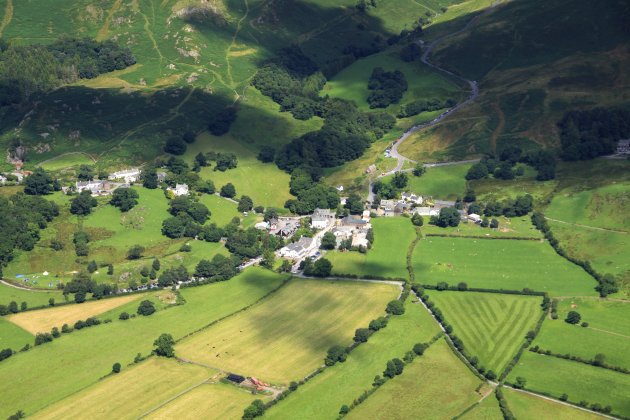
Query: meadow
(223, 211)
(435, 385)
(528, 407)
(12, 336)
(43, 320)
(146, 386)
(520, 227)
(286, 336)
(386, 258)
(92, 351)
(607, 332)
(499, 264)
(323, 395)
(32, 298)
(499, 189)
(440, 182)
(488, 409)
(579, 381)
(492, 326)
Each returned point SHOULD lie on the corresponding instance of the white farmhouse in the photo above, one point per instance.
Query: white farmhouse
(475, 218)
(179, 190)
(321, 218)
(128, 175)
(297, 249)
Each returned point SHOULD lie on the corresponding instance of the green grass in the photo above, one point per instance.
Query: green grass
(499, 264)
(66, 161)
(322, 396)
(488, 409)
(32, 298)
(12, 336)
(223, 211)
(579, 381)
(387, 258)
(607, 333)
(529, 407)
(286, 337)
(498, 189)
(440, 183)
(492, 326)
(436, 385)
(81, 358)
(520, 227)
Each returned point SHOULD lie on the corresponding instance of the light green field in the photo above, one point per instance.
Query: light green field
(12, 336)
(67, 161)
(528, 407)
(145, 387)
(499, 189)
(492, 326)
(32, 298)
(437, 385)
(441, 183)
(216, 400)
(286, 337)
(579, 381)
(223, 211)
(92, 351)
(608, 332)
(499, 264)
(488, 409)
(520, 227)
(387, 258)
(322, 396)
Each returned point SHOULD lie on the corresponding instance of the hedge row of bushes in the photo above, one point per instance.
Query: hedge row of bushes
(412, 246)
(512, 238)
(368, 277)
(597, 362)
(607, 283)
(463, 287)
(503, 405)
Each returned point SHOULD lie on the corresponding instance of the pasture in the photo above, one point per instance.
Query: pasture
(322, 396)
(12, 336)
(440, 182)
(488, 409)
(32, 298)
(492, 326)
(286, 336)
(435, 385)
(579, 381)
(500, 189)
(529, 407)
(43, 320)
(67, 160)
(607, 332)
(520, 227)
(145, 386)
(223, 211)
(386, 258)
(499, 264)
(211, 400)
(92, 351)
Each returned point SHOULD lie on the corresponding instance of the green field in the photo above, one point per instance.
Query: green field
(436, 385)
(286, 337)
(492, 326)
(520, 227)
(32, 298)
(579, 381)
(92, 351)
(223, 211)
(528, 407)
(386, 258)
(322, 396)
(488, 409)
(66, 161)
(145, 386)
(607, 332)
(440, 183)
(499, 189)
(506, 264)
(12, 336)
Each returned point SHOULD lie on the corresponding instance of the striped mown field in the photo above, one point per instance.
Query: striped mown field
(492, 326)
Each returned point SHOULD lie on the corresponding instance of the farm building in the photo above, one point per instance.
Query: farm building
(425, 211)
(321, 218)
(97, 187)
(128, 175)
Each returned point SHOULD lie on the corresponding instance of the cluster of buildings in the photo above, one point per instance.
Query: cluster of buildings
(120, 179)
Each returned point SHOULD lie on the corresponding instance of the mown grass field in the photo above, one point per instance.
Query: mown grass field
(528, 407)
(43, 320)
(216, 400)
(440, 183)
(436, 385)
(131, 393)
(499, 264)
(579, 381)
(488, 409)
(323, 395)
(607, 332)
(67, 161)
(492, 326)
(12, 336)
(92, 351)
(223, 211)
(287, 336)
(520, 227)
(32, 298)
(387, 258)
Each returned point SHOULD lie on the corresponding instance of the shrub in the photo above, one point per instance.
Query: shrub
(116, 367)
(419, 348)
(378, 323)
(255, 409)
(146, 308)
(395, 307)
(361, 335)
(164, 345)
(573, 317)
(123, 316)
(336, 354)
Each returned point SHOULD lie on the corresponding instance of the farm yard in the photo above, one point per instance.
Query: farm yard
(386, 258)
(499, 264)
(492, 326)
(322, 396)
(286, 336)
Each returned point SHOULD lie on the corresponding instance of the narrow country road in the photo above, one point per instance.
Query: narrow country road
(474, 93)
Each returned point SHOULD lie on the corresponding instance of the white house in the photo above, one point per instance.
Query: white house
(321, 218)
(366, 215)
(128, 175)
(425, 211)
(96, 187)
(475, 218)
(180, 189)
(297, 249)
(262, 225)
(412, 198)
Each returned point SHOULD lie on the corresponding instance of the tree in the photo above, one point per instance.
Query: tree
(269, 258)
(116, 367)
(38, 183)
(419, 348)
(175, 146)
(336, 354)
(520, 382)
(400, 180)
(449, 216)
(490, 375)
(329, 241)
(599, 359)
(255, 409)
(144, 271)
(51, 302)
(207, 187)
(92, 267)
(361, 335)
(79, 297)
(477, 171)
(135, 252)
(245, 204)
(17, 415)
(124, 198)
(494, 223)
(110, 269)
(419, 169)
(123, 316)
(378, 323)
(267, 154)
(286, 266)
(442, 285)
(573, 317)
(85, 173)
(394, 367)
(146, 308)
(321, 268)
(164, 346)
(228, 190)
(417, 220)
(395, 307)
(155, 264)
(23, 306)
(462, 286)
(82, 204)
(149, 178)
